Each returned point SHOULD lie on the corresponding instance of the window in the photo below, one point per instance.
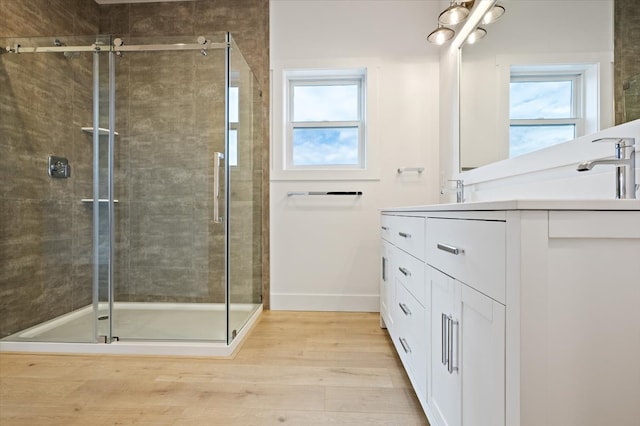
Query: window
(325, 119)
(234, 119)
(544, 110)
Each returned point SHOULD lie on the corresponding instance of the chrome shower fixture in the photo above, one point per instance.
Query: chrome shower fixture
(202, 44)
(67, 54)
(117, 43)
(203, 41)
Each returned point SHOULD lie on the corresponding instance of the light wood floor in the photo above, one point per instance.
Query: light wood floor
(296, 368)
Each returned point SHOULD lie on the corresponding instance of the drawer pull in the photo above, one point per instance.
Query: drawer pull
(405, 345)
(385, 228)
(404, 235)
(404, 308)
(404, 271)
(450, 249)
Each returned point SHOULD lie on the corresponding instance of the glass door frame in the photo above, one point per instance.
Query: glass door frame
(115, 47)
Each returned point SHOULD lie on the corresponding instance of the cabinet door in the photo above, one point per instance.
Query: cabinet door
(482, 358)
(444, 393)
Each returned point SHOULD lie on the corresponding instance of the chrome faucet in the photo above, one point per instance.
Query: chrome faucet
(625, 162)
(459, 190)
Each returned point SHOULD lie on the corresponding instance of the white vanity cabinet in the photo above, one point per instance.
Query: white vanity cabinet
(467, 324)
(468, 330)
(387, 289)
(403, 297)
(531, 312)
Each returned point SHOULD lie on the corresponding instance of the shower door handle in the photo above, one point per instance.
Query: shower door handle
(216, 187)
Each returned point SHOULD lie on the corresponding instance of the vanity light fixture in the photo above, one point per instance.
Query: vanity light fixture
(476, 35)
(457, 13)
(493, 14)
(441, 35)
(454, 14)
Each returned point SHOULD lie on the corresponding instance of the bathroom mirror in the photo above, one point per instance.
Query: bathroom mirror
(534, 38)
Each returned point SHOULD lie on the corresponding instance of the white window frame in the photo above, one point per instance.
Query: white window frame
(299, 78)
(278, 119)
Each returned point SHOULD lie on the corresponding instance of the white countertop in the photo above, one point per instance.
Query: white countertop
(525, 204)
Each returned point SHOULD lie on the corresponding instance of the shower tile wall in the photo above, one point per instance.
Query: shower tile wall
(627, 59)
(171, 121)
(155, 259)
(45, 232)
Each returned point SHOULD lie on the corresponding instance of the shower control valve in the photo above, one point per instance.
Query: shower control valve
(59, 167)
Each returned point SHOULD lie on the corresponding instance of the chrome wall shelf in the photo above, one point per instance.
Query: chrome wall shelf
(101, 200)
(101, 131)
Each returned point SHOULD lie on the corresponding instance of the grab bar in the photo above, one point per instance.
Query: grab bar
(305, 193)
(410, 169)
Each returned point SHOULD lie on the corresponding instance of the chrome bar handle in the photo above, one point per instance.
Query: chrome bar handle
(453, 367)
(404, 235)
(405, 345)
(405, 309)
(216, 186)
(384, 269)
(450, 341)
(449, 344)
(405, 271)
(443, 330)
(450, 249)
(410, 169)
(305, 193)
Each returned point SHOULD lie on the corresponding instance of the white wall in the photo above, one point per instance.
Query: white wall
(325, 250)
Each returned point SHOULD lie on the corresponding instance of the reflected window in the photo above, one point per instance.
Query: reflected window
(544, 110)
(234, 119)
(325, 119)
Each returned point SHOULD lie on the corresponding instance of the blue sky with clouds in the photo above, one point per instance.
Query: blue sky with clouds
(325, 145)
(534, 100)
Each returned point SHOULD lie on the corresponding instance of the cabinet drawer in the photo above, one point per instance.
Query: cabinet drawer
(409, 271)
(411, 339)
(471, 251)
(407, 233)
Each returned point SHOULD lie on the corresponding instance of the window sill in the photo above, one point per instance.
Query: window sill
(285, 175)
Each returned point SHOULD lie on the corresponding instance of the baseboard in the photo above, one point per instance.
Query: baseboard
(325, 302)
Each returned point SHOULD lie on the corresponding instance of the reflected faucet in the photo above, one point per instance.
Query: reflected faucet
(625, 162)
(459, 190)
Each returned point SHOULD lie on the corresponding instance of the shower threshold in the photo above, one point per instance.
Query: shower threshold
(189, 329)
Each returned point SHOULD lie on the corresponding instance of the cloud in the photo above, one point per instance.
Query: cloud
(524, 139)
(540, 99)
(326, 103)
(325, 146)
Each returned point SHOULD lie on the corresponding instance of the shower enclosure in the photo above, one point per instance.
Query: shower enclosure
(131, 196)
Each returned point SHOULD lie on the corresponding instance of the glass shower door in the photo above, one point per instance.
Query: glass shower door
(169, 252)
(157, 232)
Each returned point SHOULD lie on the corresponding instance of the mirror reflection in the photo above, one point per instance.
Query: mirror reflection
(543, 75)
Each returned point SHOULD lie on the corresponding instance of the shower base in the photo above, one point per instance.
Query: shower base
(142, 328)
